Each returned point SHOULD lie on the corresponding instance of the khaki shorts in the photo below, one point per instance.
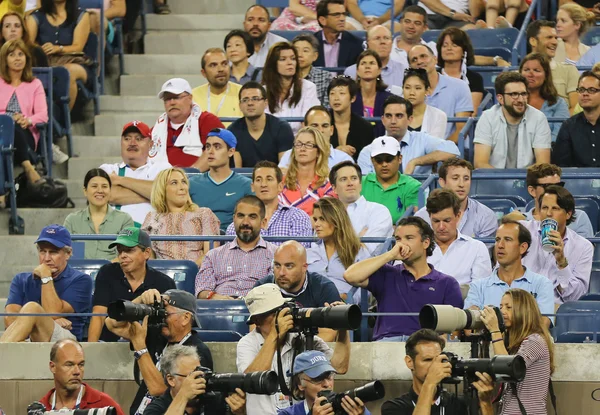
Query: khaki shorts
(60, 333)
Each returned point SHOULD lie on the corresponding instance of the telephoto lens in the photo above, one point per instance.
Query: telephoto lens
(342, 317)
(446, 318)
(367, 393)
(122, 310)
(258, 383)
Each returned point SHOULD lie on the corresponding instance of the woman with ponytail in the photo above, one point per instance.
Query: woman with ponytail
(572, 21)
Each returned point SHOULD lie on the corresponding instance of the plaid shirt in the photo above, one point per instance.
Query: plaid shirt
(229, 270)
(321, 78)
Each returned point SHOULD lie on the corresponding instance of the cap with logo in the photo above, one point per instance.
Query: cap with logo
(131, 237)
(175, 86)
(224, 135)
(312, 363)
(385, 145)
(184, 300)
(138, 126)
(56, 235)
(263, 299)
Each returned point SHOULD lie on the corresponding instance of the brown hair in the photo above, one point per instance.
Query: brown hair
(210, 50)
(454, 162)
(321, 165)
(380, 86)
(8, 48)
(537, 171)
(459, 38)
(271, 78)
(441, 199)
(25, 36)
(547, 90)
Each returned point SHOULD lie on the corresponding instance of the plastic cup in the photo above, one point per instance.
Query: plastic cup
(547, 226)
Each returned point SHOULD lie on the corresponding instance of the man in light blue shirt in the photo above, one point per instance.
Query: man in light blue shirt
(419, 150)
(379, 39)
(257, 23)
(591, 57)
(512, 244)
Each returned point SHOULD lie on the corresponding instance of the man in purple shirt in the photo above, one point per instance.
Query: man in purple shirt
(407, 287)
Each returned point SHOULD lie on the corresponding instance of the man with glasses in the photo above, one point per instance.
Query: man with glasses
(578, 143)
(511, 134)
(260, 136)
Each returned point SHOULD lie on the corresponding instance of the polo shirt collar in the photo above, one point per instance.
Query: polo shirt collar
(412, 395)
(109, 214)
(433, 274)
(125, 165)
(495, 279)
(64, 274)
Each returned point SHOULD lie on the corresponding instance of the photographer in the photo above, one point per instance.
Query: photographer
(429, 367)
(257, 350)
(150, 343)
(186, 385)
(526, 335)
(314, 374)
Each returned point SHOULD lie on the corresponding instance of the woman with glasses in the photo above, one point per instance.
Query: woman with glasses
(543, 96)
(288, 95)
(306, 180)
(425, 118)
(351, 132)
(572, 21)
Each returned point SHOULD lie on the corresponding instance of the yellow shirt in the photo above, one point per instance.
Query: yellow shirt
(226, 104)
(7, 6)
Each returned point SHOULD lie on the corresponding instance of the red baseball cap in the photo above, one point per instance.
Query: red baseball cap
(138, 126)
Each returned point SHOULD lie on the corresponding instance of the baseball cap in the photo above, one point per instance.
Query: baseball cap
(57, 235)
(385, 145)
(184, 300)
(263, 299)
(313, 363)
(224, 135)
(138, 126)
(175, 86)
(131, 237)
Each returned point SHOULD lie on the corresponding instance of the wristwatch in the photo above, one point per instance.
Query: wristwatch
(452, 13)
(46, 280)
(496, 59)
(139, 353)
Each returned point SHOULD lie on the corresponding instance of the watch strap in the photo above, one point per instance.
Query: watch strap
(46, 280)
(139, 353)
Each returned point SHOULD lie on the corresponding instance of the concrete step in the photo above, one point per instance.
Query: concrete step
(97, 146)
(112, 123)
(79, 166)
(172, 42)
(209, 6)
(35, 220)
(162, 64)
(196, 22)
(146, 85)
(124, 104)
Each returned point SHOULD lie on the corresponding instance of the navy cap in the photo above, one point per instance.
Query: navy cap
(224, 135)
(313, 363)
(56, 235)
(184, 300)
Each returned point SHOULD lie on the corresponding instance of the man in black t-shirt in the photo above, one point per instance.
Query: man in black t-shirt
(429, 367)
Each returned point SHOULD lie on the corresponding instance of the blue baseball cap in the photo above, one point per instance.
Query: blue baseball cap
(56, 235)
(313, 363)
(224, 135)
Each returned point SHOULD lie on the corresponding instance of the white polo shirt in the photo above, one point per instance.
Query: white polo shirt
(148, 171)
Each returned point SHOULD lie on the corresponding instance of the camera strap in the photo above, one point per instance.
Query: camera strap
(550, 390)
(281, 375)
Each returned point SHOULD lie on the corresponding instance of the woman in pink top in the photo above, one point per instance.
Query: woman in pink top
(299, 15)
(306, 180)
(175, 214)
(23, 98)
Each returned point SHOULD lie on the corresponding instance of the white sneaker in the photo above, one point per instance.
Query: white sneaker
(58, 157)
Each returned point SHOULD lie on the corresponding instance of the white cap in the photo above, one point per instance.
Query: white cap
(263, 299)
(175, 86)
(385, 145)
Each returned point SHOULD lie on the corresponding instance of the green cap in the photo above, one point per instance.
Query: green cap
(131, 237)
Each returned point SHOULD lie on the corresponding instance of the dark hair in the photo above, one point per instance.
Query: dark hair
(254, 201)
(461, 39)
(395, 99)
(347, 163)
(417, 73)
(272, 80)
(343, 80)
(440, 199)
(539, 170)
(533, 30)
(422, 336)
(524, 234)
(586, 74)
(323, 8)
(424, 229)
(453, 162)
(210, 50)
(415, 9)
(547, 90)
(253, 85)
(307, 38)
(506, 78)
(245, 37)
(564, 199)
(317, 108)
(260, 6)
(380, 86)
(96, 173)
(265, 164)
(48, 7)
(59, 343)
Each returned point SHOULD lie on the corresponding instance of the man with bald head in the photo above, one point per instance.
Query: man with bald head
(67, 364)
(379, 39)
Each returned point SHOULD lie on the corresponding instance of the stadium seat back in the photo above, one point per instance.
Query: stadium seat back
(595, 280)
(221, 315)
(517, 200)
(592, 36)
(88, 266)
(591, 207)
(578, 326)
(182, 271)
(486, 38)
(504, 187)
(500, 206)
(219, 336)
(45, 146)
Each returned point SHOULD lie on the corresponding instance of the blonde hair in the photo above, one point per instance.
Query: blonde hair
(158, 197)
(8, 48)
(321, 165)
(579, 15)
(527, 320)
(596, 68)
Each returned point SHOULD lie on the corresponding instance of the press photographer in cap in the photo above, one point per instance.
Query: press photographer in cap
(275, 329)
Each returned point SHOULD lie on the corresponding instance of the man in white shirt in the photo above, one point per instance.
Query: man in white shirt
(132, 178)
(369, 219)
(413, 24)
(257, 23)
(452, 13)
(511, 134)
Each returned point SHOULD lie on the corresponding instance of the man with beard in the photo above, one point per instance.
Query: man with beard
(511, 134)
(257, 23)
(231, 270)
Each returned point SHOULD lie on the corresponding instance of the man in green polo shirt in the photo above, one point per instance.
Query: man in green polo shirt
(387, 186)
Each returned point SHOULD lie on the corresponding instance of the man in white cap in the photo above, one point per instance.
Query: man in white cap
(258, 349)
(179, 134)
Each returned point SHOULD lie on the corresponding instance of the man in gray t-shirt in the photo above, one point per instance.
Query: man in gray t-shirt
(512, 132)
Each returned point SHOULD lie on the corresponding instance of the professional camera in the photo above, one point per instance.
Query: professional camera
(366, 393)
(503, 368)
(123, 310)
(344, 317)
(446, 319)
(37, 408)
(259, 383)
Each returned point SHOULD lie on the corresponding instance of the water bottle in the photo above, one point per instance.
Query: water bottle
(588, 340)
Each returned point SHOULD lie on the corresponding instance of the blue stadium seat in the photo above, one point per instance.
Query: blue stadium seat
(590, 297)
(500, 186)
(592, 36)
(486, 38)
(182, 271)
(595, 281)
(206, 310)
(88, 266)
(117, 46)
(45, 129)
(597, 252)
(517, 200)
(577, 327)
(500, 206)
(583, 185)
(290, 34)
(16, 225)
(92, 49)
(62, 115)
(90, 90)
(591, 207)
(219, 336)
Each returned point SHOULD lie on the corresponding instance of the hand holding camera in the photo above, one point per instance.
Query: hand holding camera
(490, 319)
(149, 297)
(322, 407)
(237, 402)
(285, 321)
(484, 386)
(439, 370)
(193, 385)
(353, 406)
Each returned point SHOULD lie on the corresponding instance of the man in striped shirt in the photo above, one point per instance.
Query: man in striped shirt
(231, 270)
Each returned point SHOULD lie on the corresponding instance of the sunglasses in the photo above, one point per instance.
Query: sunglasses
(545, 185)
(384, 158)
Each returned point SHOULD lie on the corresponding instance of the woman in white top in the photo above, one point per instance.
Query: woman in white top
(572, 21)
(425, 118)
(288, 95)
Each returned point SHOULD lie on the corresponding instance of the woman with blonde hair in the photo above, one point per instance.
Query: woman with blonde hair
(176, 214)
(526, 335)
(572, 21)
(306, 180)
(338, 246)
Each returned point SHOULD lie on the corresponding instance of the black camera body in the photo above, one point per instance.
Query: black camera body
(259, 383)
(37, 408)
(345, 317)
(502, 368)
(123, 310)
(366, 393)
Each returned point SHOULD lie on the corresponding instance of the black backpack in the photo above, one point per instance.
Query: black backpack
(50, 194)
